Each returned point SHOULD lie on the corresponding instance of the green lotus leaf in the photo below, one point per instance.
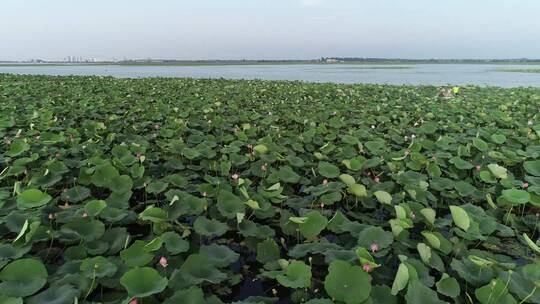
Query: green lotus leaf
(17, 147)
(480, 144)
(219, 255)
(94, 207)
(32, 198)
(314, 224)
(375, 235)
(328, 170)
(98, 267)
(267, 251)
(347, 283)
(420, 293)
(460, 163)
(206, 227)
(154, 214)
(287, 175)
(498, 138)
(10, 300)
(347, 179)
(424, 251)
(103, 175)
(177, 180)
(87, 230)
(383, 197)
(448, 286)
(429, 214)
(381, 294)
(143, 282)
(532, 167)
(197, 269)
(136, 255)
(261, 149)
(498, 171)
(157, 187)
(121, 184)
(401, 279)
(76, 194)
(460, 217)
(357, 190)
(193, 295)
(464, 188)
(54, 295)
(174, 243)
(495, 292)
(229, 204)
(22, 278)
(516, 196)
(297, 275)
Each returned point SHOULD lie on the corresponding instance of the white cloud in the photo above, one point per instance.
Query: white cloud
(312, 3)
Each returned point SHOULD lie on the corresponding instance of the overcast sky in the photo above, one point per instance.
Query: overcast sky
(269, 29)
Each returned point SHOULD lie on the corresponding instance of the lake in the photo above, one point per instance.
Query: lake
(415, 74)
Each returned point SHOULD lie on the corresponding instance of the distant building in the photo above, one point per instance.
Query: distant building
(331, 60)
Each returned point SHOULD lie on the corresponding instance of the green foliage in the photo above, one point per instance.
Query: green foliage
(189, 191)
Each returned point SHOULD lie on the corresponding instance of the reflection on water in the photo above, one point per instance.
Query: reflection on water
(435, 74)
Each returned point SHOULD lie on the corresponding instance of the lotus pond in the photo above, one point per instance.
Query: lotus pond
(220, 191)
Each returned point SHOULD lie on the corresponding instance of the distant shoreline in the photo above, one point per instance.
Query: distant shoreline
(329, 61)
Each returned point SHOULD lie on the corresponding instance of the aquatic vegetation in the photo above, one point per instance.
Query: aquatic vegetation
(530, 70)
(221, 191)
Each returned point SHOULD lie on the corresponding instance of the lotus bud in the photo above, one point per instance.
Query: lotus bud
(204, 194)
(264, 167)
(274, 292)
(530, 123)
(413, 136)
(374, 247)
(416, 124)
(413, 216)
(133, 301)
(376, 179)
(163, 262)
(51, 216)
(525, 185)
(85, 214)
(325, 182)
(406, 137)
(478, 167)
(235, 176)
(366, 267)
(310, 259)
(372, 126)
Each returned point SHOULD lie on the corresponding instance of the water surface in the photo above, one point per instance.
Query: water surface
(415, 74)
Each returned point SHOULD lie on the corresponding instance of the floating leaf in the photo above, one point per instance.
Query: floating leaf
(460, 217)
(143, 282)
(22, 278)
(32, 198)
(347, 283)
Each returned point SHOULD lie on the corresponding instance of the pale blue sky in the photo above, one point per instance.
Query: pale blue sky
(269, 29)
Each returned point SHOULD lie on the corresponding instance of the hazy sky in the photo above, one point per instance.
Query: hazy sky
(269, 29)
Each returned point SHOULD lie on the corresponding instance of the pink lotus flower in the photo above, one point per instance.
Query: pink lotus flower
(325, 182)
(163, 262)
(51, 216)
(374, 247)
(235, 176)
(366, 267)
(133, 301)
(376, 179)
(525, 185)
(478, 167)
